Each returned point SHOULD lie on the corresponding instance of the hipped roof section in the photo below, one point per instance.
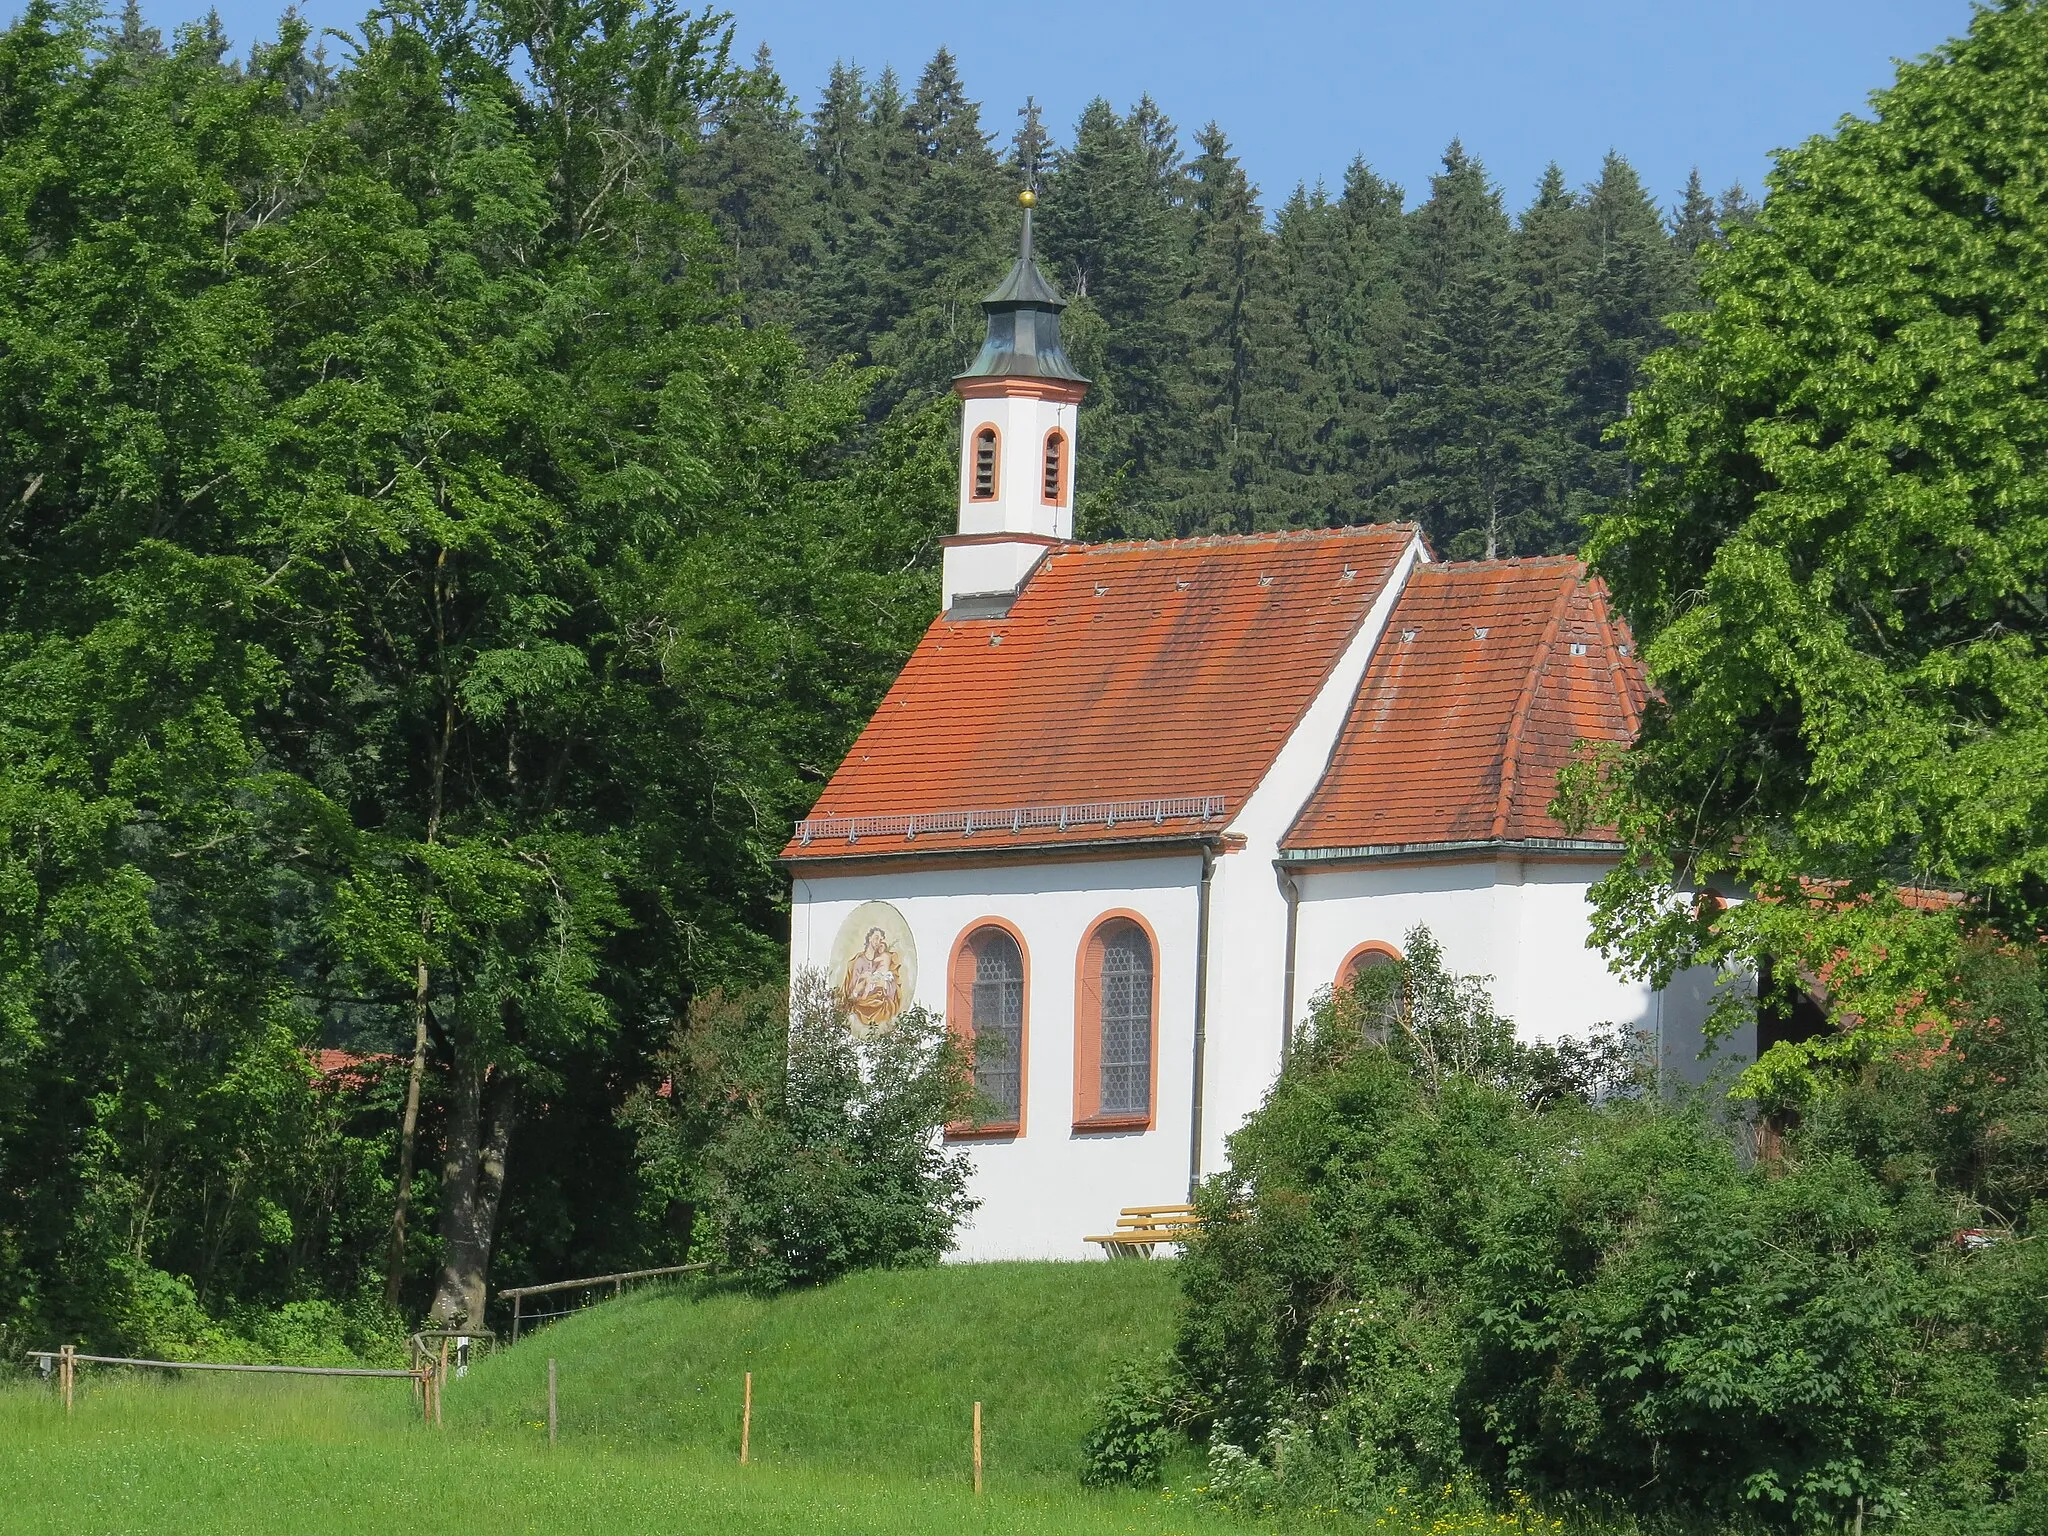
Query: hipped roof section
(1135, 675)
(1486, 677)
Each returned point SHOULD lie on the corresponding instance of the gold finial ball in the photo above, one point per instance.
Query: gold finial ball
(1028, 198)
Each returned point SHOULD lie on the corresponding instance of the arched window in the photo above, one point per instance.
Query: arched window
(985, 464)
(1116, 1027)
(987, 1010)
(1055, 467)
(1391, 1006)
(1363, 958)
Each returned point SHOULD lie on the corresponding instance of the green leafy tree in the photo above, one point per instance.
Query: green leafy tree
(145, 834)
(1432, 1282)
(1834, 557)
(433, 606)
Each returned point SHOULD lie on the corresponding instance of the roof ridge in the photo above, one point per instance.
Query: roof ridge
(1265, 536)
(1537, 562)
(1520, 718)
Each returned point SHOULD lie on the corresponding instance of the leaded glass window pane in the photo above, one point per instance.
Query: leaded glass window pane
(1392, 1000)
(1126, 1022)
(999, 1022)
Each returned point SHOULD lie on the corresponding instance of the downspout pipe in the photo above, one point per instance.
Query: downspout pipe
(1201, 1017)
(1290, 887)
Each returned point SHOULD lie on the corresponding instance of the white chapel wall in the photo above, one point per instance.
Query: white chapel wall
(1248, 914)
(1045, 1190)
(1525, 924)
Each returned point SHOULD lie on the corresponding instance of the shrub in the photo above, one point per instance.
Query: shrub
(802, 1151)
(1447, 1272)
(1137, 1426)
(159, 1316)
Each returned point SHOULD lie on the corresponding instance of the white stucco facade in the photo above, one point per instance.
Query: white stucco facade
(1022, 423)
(1046, 1188)
(1521, 921)
(1043, 1190)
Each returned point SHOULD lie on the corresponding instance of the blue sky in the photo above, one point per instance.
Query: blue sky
(1301, 86)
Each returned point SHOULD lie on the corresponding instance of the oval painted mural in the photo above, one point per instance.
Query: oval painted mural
(874, 966)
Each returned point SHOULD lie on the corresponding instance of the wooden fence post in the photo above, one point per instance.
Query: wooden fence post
(67, 1371)
(746, 1416)
(551, 1399)
(977, 1449)
(440, 1380)
(516, 1301)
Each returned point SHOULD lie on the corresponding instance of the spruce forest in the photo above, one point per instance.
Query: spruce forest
(1454, 354)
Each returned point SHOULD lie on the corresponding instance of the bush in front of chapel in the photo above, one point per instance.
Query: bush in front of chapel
(1430, 1268)
(793, 1150)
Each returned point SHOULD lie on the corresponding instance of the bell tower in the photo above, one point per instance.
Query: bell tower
(1020, 398)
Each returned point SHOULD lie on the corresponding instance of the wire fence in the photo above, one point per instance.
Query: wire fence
(751, 1418)
(586, 1291)
(62, 1364)
(934, 1448)
(754, 1419)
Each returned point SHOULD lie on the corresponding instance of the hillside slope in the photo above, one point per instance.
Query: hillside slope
(878, 1371)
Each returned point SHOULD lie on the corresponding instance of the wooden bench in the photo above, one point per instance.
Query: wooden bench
(1141, 1228)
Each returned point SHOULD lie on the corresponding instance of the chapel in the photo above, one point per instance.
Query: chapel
(1129, 806)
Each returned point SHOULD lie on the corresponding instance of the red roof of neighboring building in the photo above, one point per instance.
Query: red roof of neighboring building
(1487, 675)
(1130, 688)
(355, 1066)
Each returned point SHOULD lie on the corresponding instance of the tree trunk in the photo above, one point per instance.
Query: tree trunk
(408, 1138)
(472, 1178)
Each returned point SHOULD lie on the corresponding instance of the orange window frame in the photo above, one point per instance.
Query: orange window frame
(1357, 956)
(1088, 1115)
(1055, 442)
(960, 1020)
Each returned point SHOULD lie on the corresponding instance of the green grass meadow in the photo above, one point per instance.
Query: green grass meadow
(862, 1423)
(878, 1372)
(257, 1457)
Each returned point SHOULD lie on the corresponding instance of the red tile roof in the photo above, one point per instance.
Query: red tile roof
(350, 1068)
(1124, 675)
(1487, 675)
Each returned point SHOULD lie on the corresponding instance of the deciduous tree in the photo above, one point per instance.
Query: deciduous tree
(1837, 552)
